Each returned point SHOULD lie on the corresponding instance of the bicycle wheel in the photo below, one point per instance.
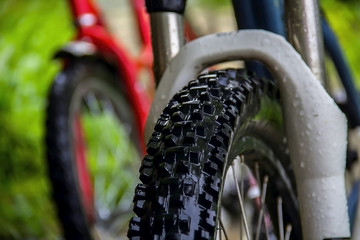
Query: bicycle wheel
(92, 151)
(187, 190)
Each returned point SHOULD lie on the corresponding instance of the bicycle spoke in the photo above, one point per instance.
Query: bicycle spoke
(90, 99)
(241, 189)
(261, 213)
(99, 181)
(223, 229)
(102, 108)
(95, 107)
(219, 231)
(241, 203)
(288, 231)
(266, 229)
(280, 218)
(126, 125)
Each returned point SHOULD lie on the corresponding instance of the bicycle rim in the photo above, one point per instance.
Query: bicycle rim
(106, 153)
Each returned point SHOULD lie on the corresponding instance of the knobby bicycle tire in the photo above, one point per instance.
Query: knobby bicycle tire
(202, 129)
(82, 78)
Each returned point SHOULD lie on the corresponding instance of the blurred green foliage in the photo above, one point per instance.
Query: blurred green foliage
(344, 18)
(30, 32)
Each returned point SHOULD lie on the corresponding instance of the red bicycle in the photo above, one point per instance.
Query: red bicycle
(95, 119)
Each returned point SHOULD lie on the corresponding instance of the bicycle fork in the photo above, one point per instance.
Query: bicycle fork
(316, 128)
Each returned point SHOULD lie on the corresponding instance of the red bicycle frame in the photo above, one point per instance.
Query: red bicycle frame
(93, 39)
(91, 30)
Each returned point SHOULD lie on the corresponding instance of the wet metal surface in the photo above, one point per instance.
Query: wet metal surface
(304, 33)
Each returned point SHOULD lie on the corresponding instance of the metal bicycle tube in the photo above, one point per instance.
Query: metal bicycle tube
(167, 38)
(304, 33)
(167, 31)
